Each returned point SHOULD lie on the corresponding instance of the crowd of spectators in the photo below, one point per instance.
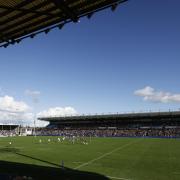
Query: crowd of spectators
(131, 132)
(170, 132)
(8, 132)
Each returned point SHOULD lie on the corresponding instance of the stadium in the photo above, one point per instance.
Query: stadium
(95, 64)
(112, 146)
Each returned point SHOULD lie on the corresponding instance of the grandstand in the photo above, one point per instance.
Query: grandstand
(14, 130)
(9, 130)
(133, 124)
(132, 120)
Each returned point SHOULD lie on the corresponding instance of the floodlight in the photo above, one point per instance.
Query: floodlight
(60, 26)
(114, 6)
(32, 36)
(12, 41)
(76, 20)
(5, 45)
(18, 41)
(47, 31)
(89, 15)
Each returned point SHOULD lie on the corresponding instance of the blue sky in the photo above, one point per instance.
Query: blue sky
(96, 66)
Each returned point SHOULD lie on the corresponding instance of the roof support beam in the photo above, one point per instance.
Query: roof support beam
(24, 3)
(21, 14)
(27, 11)
(61, 4)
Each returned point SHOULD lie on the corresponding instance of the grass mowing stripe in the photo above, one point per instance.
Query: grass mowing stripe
(106, 154)
(117, 178)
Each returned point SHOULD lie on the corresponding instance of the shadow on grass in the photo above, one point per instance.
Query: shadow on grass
(10, 170)
(8, 149)
(37, 159)
(15, 171)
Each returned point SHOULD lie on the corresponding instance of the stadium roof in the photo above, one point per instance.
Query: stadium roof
(127, 116)
(25, 18)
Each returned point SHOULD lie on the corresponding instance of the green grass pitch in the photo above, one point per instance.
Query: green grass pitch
(114, 158)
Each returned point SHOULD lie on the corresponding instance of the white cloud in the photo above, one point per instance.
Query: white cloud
(8, 104)
(58, 111)
(150, 94)
(14, 112)
(33, 94)
(18, 112)
(55, 112)
(41, 123)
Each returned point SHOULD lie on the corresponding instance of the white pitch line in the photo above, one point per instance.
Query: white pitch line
(77, 162)
(117, 178)
(104, 155)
